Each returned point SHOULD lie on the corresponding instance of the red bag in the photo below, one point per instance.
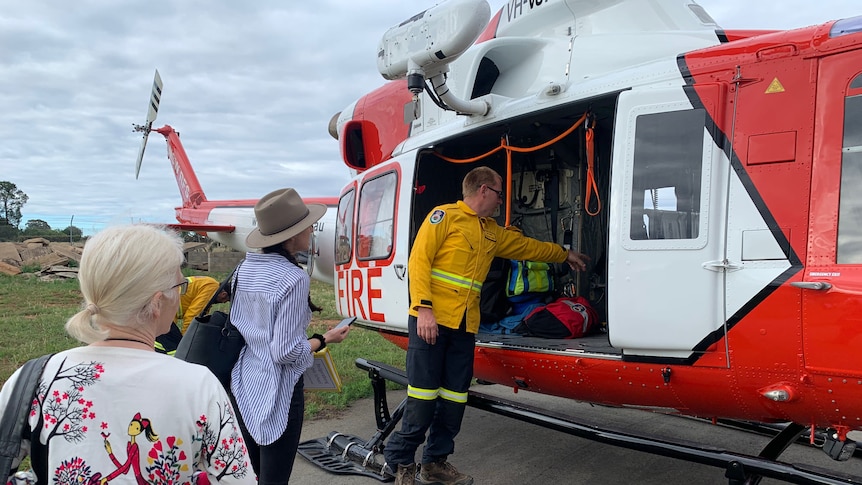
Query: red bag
(566, 317)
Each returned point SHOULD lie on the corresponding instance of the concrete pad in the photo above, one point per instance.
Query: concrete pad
(503, 451)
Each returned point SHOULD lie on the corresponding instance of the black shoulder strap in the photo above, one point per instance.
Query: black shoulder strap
(14, 420)
(226, 283)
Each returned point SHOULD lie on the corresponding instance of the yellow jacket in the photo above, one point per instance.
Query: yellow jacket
(451, 256)
(198, 294)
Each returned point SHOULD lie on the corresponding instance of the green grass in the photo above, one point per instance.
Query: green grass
(33, 313)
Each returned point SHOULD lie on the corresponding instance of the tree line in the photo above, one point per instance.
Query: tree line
(12, 199)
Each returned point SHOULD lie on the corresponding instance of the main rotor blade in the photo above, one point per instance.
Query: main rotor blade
(152, 112)
(155, 98)
(141, 154)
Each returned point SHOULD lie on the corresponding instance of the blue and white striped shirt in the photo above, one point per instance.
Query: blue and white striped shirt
(270, 308)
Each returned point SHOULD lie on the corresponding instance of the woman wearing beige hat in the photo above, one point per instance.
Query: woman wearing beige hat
(272, 309)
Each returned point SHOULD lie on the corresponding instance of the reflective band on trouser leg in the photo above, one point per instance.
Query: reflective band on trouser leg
(459, 397)
(423, 394)
(456, 280)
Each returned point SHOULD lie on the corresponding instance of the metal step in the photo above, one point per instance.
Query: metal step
(344, 454)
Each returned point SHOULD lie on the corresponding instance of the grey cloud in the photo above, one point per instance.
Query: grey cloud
(251, 87)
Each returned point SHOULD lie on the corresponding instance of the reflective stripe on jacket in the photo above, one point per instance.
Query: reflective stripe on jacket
(451, 256)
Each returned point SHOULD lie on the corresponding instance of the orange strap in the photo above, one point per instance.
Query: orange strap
(592, 188)
(504, 145)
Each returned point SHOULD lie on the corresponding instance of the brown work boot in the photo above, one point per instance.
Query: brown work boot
(405, 475)
(442, 473)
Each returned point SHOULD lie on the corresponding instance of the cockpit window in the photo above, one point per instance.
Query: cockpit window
(376, 217)
(344, 228)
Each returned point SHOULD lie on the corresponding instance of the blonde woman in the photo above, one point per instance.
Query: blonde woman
(131, 282)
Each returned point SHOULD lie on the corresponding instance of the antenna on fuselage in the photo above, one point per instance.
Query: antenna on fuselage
(152, 112)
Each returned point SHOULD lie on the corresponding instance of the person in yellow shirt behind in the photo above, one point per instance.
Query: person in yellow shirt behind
(201, 290)
(198, 294)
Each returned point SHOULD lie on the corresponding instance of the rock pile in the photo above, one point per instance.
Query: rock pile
(54, 260)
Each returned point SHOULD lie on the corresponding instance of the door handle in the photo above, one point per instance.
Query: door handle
(812, 285)
(721, 265)
(400, 271)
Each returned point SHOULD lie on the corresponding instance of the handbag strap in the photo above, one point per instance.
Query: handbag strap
(224, 284)
(14, 420)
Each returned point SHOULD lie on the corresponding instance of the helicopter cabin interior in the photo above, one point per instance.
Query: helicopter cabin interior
(554, 193)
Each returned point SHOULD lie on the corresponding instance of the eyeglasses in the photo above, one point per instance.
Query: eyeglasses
(498, 192)
(182, 287)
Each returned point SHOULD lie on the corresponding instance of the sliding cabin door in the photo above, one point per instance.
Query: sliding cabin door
(666, 227)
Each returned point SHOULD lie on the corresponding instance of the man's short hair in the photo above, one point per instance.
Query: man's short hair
(222, 296)
(478, 177)
(224, 287)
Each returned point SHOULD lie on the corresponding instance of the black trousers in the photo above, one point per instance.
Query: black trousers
(446, 366)
(273, 463)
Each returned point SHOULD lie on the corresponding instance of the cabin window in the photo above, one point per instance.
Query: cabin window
(376, 217)
(850, 201)
(344, 228)
(666, 178)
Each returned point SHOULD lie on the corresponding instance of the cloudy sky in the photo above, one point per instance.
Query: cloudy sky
(251, 87)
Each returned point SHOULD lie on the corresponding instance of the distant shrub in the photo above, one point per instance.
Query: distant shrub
(31, 268)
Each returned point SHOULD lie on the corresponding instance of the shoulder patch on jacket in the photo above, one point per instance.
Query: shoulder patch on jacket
(436, 216)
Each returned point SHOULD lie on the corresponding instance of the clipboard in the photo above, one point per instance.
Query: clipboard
(322, 375)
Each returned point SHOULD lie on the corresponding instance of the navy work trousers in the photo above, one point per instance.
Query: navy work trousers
(448, 364)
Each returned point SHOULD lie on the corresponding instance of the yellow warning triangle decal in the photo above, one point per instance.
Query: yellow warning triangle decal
(775, 87)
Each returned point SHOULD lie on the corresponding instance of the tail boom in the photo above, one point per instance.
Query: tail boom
(190, 189)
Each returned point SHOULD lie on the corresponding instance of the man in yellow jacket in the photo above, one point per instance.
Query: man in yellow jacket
(201, 289)
(199, 292)
(448, 264)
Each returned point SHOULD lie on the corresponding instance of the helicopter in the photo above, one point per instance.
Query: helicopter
(708, 173)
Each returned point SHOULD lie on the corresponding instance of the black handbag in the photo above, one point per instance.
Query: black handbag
(13, 424)
(212, 341)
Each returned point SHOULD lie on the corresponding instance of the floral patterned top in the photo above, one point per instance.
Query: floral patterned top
(127, 416)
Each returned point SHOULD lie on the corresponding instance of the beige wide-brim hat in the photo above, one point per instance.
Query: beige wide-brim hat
(281, 215)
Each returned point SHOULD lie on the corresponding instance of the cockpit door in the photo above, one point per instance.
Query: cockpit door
(371, 247)
(833, 277)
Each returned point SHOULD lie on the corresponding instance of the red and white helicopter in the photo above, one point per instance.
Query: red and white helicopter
(710, 174)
